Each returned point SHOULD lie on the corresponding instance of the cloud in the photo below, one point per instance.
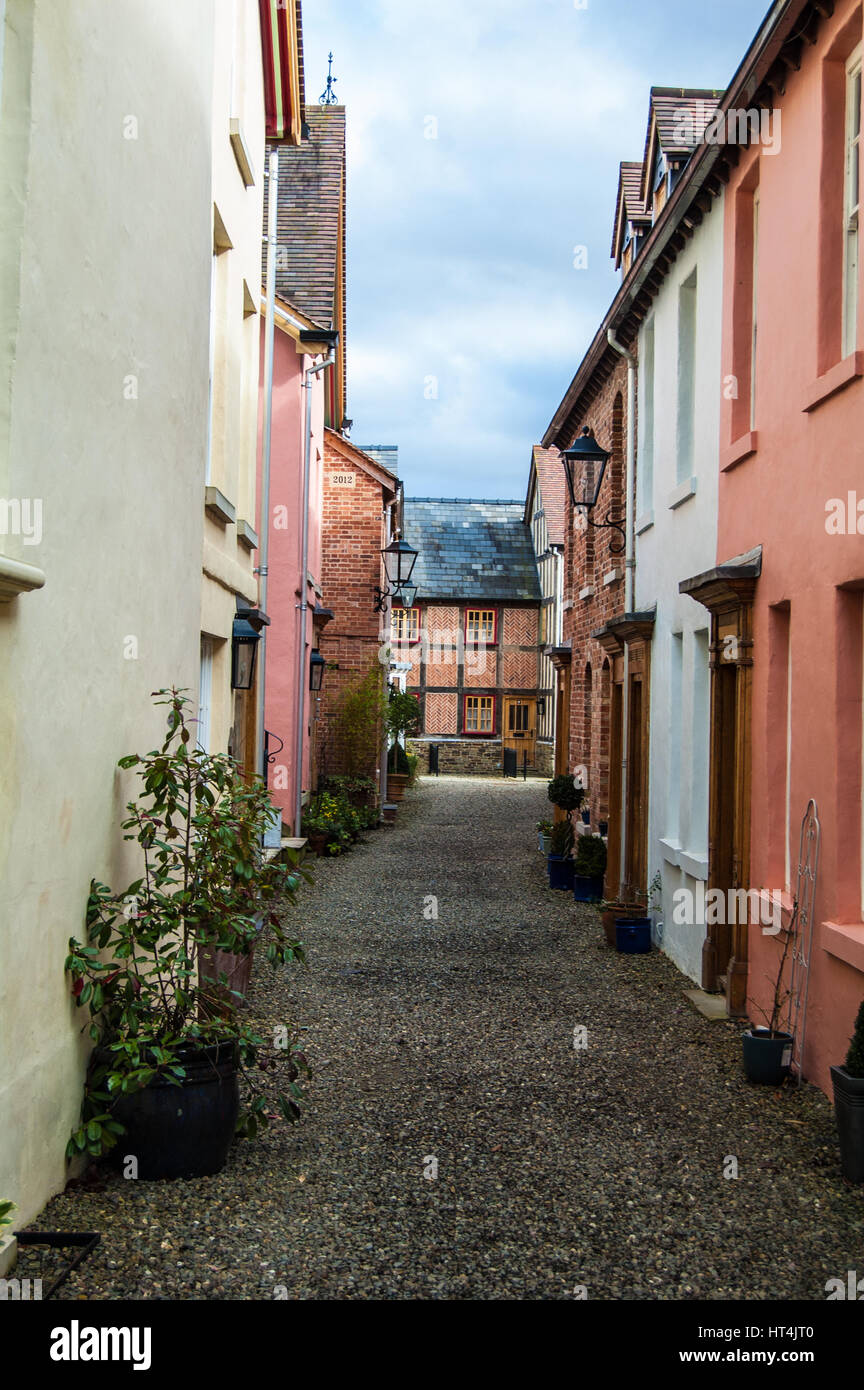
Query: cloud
(461, 246)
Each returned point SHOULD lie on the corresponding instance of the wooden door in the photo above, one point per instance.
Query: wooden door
(520, 726)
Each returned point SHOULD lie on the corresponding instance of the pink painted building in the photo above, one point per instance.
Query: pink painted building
(293, 359)
(787, 596)
(310, 331)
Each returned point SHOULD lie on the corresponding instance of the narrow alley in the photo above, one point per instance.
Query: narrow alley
(456, 1144)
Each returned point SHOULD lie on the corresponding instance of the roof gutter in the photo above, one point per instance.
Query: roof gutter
(759, 58)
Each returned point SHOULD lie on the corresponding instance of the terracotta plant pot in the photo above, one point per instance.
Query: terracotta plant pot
(610, 916)
(317, 842)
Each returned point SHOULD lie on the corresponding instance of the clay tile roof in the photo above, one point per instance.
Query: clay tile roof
(679, 116)
(471, 549)
(311, 242)
(629, 205)
(552, 486)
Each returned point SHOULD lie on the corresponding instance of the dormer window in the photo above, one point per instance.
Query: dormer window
(659, 171)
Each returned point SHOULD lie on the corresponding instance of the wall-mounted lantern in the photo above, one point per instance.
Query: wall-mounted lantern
(317, 665)
(585, 465)
(406, 596)
(399, 560)
(244, 649)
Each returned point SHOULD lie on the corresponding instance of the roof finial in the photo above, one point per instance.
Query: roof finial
(328, 97)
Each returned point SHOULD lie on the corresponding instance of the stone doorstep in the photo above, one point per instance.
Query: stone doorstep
(710, 1006)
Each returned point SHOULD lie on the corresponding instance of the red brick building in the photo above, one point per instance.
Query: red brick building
(472, 641)
(360, 498)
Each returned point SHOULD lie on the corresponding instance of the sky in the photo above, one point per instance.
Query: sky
(484, 138)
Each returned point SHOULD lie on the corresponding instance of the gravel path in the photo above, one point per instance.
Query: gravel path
(452, 1040)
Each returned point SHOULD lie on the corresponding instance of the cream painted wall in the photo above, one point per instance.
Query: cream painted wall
(228, 566)
(108, 257)
(678, 538)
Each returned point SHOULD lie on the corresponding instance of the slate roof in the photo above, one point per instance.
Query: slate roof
(310, 269)
(385, 454)
(552, 487)
(471, 549)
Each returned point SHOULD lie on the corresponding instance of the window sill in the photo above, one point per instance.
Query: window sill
(18, 578)
(644, 522)
(845, 941)
(827, 385)
(218, 508)
(682, 493)
(246, 536)
(742, 448)
(241, 151)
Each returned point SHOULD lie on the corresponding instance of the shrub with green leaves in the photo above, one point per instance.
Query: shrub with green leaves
(563, 793)
(590, 856)
(561, 839)
(855, 1055)
(204, 887)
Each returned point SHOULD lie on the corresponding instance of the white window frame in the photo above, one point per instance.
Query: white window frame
(205, 693)
(851, 202)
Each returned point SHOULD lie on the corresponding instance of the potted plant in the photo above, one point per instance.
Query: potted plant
(589, 869)
(767, 1051)
(848, 1083)
(402, 718)
(611, 912)
(170, 1049)
(559, 861)
(544, 832)
(563, 793)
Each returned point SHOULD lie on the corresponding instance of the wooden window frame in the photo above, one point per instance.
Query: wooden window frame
(469, 642)
(479, 733)
(413, 626)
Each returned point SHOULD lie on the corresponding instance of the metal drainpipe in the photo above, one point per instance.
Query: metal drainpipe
(629, 568)
(264, 540)
(303, 606)
(382, 777)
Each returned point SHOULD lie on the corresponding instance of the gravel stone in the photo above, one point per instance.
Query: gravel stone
(452, 1041)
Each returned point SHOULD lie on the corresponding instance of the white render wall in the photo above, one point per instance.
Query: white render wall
(105, 276)
(677, 538)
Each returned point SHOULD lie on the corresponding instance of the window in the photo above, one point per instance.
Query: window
(480, 625)
(851, 193)
(686, 377)
(405, 625)
(479, 714)
(645, 477)
(205, 687)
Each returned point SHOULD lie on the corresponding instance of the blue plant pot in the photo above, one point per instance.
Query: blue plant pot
(560, 872)
(587, 890)
(633, 935)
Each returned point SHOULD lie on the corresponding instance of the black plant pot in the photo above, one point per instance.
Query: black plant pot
(767, 1056)
(181, 1131)
(603, 827)
(560, 872)
(849, 1109)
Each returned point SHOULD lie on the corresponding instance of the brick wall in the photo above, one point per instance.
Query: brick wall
(589, 566)
(353, 535)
